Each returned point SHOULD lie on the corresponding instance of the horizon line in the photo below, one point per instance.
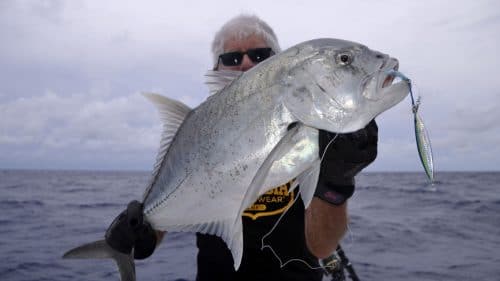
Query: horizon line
(146, 171)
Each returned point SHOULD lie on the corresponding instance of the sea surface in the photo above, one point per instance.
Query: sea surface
(401, 228)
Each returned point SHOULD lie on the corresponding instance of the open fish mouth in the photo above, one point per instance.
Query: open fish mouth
(390, 64)
(382, 80)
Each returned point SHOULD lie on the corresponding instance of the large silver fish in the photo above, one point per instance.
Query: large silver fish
(217, 159)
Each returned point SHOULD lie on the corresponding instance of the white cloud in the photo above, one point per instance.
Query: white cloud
(82, 124)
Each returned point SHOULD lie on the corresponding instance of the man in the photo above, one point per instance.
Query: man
(309, 234)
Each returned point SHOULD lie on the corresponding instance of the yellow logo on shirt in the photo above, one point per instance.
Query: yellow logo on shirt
(271, 203)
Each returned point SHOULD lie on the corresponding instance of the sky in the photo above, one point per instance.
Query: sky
(71, 74)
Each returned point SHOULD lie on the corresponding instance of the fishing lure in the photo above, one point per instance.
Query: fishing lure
(421, 136)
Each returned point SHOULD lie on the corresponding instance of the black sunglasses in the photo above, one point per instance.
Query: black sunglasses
(235, 58)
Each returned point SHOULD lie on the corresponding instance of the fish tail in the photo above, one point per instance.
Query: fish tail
(101, 250)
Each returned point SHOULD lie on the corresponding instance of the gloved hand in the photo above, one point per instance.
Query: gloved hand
(130, 230)
(346, 156)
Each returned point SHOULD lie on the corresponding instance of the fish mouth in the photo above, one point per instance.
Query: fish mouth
(382, 80)
(387, 66)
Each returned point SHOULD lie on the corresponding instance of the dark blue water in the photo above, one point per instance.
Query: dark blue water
(401, 229)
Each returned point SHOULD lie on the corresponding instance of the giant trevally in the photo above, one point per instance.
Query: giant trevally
(259, 130)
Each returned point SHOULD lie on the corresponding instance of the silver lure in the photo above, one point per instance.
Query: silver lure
(421, 135)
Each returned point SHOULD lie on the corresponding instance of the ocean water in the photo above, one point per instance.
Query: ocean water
(401, 228)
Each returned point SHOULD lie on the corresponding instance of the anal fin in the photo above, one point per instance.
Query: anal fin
(230, 230)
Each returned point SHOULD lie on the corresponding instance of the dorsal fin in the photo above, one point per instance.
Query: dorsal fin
(217, 80)
(172, 114)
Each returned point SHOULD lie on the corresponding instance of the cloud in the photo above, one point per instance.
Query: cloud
(53, 120)
(71, 71)
(80, 124)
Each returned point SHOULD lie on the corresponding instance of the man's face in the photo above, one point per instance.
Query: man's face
(242, 45)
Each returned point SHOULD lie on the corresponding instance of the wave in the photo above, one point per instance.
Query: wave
(93, 205)
(9, 203)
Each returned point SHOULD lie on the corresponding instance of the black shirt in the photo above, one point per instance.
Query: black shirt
(215, 261)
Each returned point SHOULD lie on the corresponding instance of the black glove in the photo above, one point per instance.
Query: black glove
(130, 230)
(346, 156)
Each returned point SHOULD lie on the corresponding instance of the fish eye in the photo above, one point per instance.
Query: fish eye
(344, 58)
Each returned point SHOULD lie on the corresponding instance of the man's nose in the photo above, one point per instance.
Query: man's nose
(246, 63)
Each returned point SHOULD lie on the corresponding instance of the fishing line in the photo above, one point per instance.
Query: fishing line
(263, 245)
(350, 236)
(328, 145)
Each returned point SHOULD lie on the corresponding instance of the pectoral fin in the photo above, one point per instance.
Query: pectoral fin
(295, 153)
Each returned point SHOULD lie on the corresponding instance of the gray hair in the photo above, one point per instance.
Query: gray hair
(241, 27)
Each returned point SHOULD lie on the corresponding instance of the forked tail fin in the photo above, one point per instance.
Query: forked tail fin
(101, 250)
